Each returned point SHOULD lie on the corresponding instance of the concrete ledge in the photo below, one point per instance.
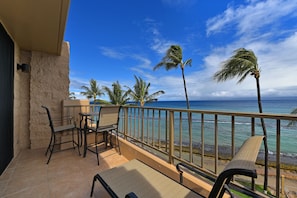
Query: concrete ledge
(131, 151)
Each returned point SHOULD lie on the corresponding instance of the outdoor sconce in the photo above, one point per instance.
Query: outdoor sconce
(23, 67)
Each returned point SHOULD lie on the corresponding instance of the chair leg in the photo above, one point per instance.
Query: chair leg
(117, 141)
(96, 145)
(105, 137)
(74, 143)
(78, 141)
(49, 144)
(52, 146)
(93, 185)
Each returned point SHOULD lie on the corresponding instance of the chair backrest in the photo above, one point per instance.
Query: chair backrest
(108, 116)
(49, 117)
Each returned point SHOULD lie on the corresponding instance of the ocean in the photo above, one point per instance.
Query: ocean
(281, 105)
(275, 106)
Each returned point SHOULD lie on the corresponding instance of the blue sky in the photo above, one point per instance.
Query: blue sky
(114, 40)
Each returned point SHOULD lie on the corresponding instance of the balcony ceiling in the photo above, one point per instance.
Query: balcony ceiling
(36, 25)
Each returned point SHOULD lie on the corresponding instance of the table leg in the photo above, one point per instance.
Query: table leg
(85, 136)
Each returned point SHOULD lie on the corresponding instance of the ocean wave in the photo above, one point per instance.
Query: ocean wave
(293, 155)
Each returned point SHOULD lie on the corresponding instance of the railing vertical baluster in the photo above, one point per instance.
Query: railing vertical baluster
(159, 130)
(171, 136)
(142, 125)
(141, 129)
(253, 126)
(180, 134)
(153, 128)
(252, 134)
(134, 128)
(125, 121)
(166, 131)
(278, 128)
(232, 136)
(190, 137)
(216, 144)
(202, 140)
(147, 125)
(139, 119)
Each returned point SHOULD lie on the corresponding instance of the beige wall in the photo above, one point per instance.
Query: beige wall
(49, 85)
(21, 102)
(46, 84)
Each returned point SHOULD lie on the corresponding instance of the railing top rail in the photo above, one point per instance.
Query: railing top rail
(227, 113)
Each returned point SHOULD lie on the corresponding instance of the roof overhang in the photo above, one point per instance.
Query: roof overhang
(36, 25)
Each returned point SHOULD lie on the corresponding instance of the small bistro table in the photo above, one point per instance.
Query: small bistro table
(84, 129)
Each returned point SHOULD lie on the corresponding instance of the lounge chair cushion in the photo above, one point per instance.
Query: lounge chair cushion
(143, 181)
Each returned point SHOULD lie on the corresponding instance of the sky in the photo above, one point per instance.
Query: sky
(117, 40)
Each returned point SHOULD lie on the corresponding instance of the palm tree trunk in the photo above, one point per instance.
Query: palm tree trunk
(264, 133)
(189, 114)
(185, 87)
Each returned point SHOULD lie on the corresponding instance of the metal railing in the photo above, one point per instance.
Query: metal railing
(198, 137)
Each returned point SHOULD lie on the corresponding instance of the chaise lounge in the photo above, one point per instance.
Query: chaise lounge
(136, 179)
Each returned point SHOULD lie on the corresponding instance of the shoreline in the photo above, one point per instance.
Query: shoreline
(287, 162)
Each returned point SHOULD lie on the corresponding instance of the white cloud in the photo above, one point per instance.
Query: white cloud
(278, 64)
(109, 52)
(252, 17)
(257, 25)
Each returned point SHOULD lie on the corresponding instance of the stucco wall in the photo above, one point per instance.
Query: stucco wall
(21, 101)
(49, 85)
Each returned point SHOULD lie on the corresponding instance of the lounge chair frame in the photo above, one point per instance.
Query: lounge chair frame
(243, 163)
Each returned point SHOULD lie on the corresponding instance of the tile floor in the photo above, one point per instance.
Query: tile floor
(67, 174)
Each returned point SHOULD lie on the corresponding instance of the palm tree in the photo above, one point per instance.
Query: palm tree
(116, 95)
(93, 91)
(140, 92)
(172, 59)
(292, 122)
(242, 64)
(72, 96)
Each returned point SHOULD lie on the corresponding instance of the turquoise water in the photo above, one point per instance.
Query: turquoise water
(285, 105)
(278, 106)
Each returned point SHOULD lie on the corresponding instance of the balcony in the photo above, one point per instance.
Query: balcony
(67, 175)
(160, 137)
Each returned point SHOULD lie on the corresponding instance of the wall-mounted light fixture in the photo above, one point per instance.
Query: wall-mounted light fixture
(23, 67)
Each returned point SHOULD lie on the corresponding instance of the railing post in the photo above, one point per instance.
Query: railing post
(252, 134)
(142, 126)
(277, 185)
(216, 144)
(202, 140)
(166, 131)
(180, 134)
(171, 136)
(232, 136)
(125, 122)
(190, 137)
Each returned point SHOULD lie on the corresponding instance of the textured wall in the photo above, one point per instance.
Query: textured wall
(49, 85)
(21, 102)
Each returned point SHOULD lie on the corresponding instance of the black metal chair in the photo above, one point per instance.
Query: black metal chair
(106, 124)
(59, 130)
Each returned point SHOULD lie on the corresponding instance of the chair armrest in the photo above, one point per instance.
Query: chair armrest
(131, 195)
(181, 167)
(65, 120)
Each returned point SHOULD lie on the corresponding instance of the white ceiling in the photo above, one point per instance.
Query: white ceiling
(36, 25)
